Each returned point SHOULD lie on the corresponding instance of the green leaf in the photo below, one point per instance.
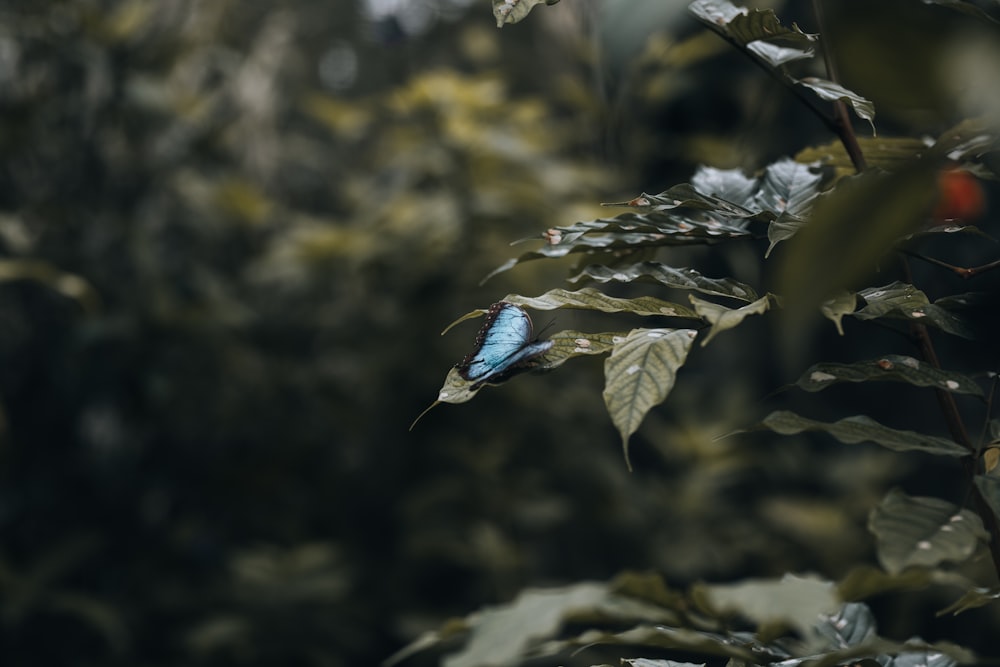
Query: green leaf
(972, 599)
(832, 92)
(918, 531)
(646, 662)
(589, 298)
(502, 634)
(964, 7)
(892, 367)
(758, 30)
(903, 301)
(849, 231)
(640, 373)
(792, 601)
(66, 284)
(782, 228)
(867, 581)
(682, 278)
(512, 11)
(789, 187)
(721, 318)
(860, 428)
(836, 307)
(729, 185)
(632, 230)
(738, 647)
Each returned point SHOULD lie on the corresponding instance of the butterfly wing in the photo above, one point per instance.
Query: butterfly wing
(503, 345)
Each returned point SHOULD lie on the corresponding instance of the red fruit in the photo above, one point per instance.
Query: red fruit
(961, 197)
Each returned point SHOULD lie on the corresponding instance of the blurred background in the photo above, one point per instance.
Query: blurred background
(230, 235)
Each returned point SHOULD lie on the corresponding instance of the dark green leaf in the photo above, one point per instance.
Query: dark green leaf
(903, 301)
(888, 153)
(640, 373)
(866, 581)
(729, 185)
(683, 278)
(788, 187)
(721, 318)
(916, 531)
(860, 428)
(782, 228)
(989, 486)
(832, 92)
(963, 6)
(892, 367)
(758, 30)
(589, 298)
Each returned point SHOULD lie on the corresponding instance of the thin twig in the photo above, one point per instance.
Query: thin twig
(841, 116)
(960, 271)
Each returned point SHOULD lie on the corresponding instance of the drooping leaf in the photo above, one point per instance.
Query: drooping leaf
(832, 92)
(837, 306)
(891, 367)
(794, 602)
(687, 195)
(680, 278)
(903, 301)
(589, 298)
(721, 318)
(852, 430)
(920, 531)
(640, 373)
(512, 11)
(782, 228)
(972, 599)
(66, 284)
(936, 231)
(849, 231)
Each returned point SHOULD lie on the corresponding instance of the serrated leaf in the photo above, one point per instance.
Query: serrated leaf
(919, 531)
(721, 318)
(502, 634)
(512, 11)
(891, 367)
(589, 298)
(860, 428)
(972, 599)
(903, 301)
(833, 92)
(680, 278)
(849, 230)
(836, 307)
(795, 602)
(640, 373)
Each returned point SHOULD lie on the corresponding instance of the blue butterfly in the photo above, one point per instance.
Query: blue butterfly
(504, 346)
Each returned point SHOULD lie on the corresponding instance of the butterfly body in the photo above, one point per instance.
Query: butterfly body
(504, 346)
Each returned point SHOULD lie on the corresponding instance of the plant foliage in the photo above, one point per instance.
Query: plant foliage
(832, 233)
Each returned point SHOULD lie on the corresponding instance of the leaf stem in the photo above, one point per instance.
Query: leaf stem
(960, 271)
(956, 426)
(841, 124)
